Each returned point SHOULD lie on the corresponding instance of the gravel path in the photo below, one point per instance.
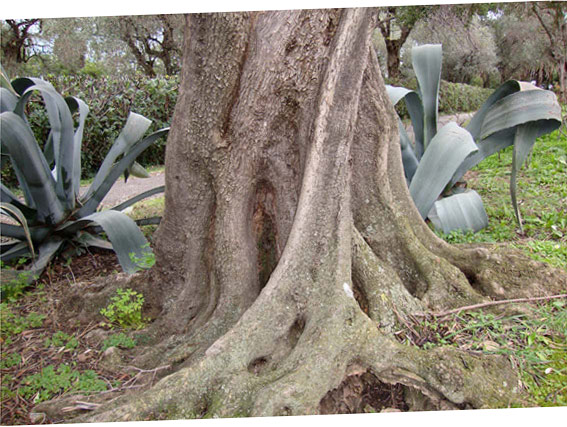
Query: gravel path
(122, 191)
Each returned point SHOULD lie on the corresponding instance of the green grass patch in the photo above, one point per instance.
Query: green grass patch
(12, 324)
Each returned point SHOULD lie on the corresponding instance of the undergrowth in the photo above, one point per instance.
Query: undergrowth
(536, 342)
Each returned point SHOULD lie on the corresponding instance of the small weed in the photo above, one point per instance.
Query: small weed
(51, 382)
(61, 339)
(10, 360)
(12, 324)
(125, 309)
(11, 290)
(146, 260)
(118, 340)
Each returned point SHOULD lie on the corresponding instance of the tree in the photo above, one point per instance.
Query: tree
(290, 247)
(469, 48)
(17, 41)
(151, 39)
(395, 25)
(552, 17)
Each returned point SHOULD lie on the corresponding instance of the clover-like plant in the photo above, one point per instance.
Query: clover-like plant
(53, 213)
(517, 113)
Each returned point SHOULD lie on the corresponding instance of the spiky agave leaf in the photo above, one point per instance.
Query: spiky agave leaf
(447, 150)
(96, 193)
(122, 231)
(18, 140)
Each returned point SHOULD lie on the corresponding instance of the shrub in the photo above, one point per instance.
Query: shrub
(118, 340)
(51, 382)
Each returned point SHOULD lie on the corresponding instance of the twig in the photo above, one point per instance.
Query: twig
(490, 303)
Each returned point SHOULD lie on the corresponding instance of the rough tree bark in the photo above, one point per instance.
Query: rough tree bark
(290, 244)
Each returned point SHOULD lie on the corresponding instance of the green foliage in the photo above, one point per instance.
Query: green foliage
(12, 324)
(51, 382)
(120, 340)
(110, 99)
(55, 214)
(145, 261)
(125, 309)
(12, 289)
(10, 360)
(61, 339)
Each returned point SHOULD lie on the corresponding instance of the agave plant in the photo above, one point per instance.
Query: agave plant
(517, 113)
(53, 213)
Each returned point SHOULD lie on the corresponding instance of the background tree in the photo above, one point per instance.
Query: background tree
(16, 36)
(395, 25)
(469, 46)
(552, 17)
(290, 248)
(153, 40)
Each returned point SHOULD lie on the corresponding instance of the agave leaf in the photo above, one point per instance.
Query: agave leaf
(5, 80)
(62, 132)
(20, 143)
(8, 100)
(154, 220)
(409, 158)
(16, 214)
(122, 231)
(18, 250)
(10, 244)
(87, 239)
(76, 104)
(138, 171)
(396, 94)
(91, 202)
(38, 234)
(526, 136)
(520, 108)
(505, 89)
(503, 116)
(139, 197)
(6, 196)
(426, 62)
(415, 110)
(446, 152)
(47, 251)
(48, 149)
(463, 211)
(136, 126)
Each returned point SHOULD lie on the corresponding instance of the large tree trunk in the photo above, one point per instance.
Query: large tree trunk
(290, 244)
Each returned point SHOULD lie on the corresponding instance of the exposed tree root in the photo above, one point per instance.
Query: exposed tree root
(289, 365)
